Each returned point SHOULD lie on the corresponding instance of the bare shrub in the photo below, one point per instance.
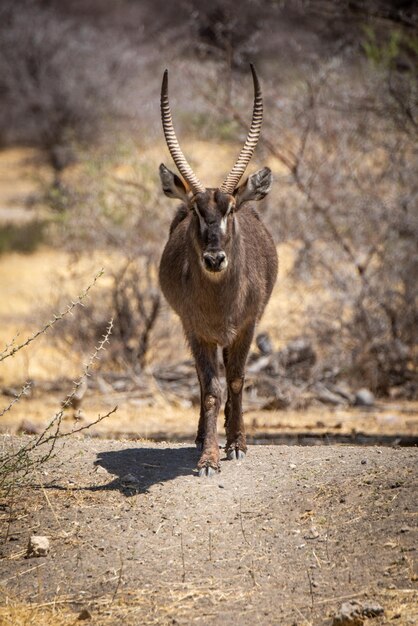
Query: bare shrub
(133, 299)
(345, 147)
(61, 80)
(352, 163)
(16, 465)
(119, 213)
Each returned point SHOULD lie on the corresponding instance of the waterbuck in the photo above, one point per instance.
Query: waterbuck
(217, 272)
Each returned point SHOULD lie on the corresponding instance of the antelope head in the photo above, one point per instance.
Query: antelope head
(214, 208)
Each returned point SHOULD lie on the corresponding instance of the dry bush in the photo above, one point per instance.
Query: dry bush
(63, 79)
(133, 299)
(343, 140)
(349, 144)
(117, 209)
(17, 465)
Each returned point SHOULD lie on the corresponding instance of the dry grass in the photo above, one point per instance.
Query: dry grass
(18, 614)
(185, 601)
(148, 606)
(164, 416)
(19, 175)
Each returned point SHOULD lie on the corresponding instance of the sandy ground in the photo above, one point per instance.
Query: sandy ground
(282, 538)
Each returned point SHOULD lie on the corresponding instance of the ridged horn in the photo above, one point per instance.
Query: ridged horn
(172, 141)
(231, 181)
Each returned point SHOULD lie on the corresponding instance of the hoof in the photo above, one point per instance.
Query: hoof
(235, 454)
(207, 471)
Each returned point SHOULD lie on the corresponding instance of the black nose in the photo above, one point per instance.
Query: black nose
(214, 260)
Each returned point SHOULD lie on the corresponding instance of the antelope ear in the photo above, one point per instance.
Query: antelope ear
(173, 186)
(256, 187)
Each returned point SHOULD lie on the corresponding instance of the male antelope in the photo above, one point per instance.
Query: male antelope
(217, 271)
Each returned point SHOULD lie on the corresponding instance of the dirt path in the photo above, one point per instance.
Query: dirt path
(283, 538)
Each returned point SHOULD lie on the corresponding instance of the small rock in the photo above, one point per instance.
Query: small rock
(84, 615)
(364, 461)
(131, 482)
(101, 470)
(37, 546)
(364, 397)
(312, 533)
(372, 609)
(353, 613)
(349, 615)
(129, 479)
(292, 466)
(405, 529)
(264, 344)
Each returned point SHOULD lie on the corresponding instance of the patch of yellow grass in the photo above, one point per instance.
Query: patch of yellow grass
(16, 614)
(18, 179)
(156, 606)
(32, 285)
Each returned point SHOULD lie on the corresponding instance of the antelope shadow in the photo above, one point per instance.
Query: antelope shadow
(138, 469)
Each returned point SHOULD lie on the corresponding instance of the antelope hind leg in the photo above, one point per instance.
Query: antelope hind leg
(234, 358)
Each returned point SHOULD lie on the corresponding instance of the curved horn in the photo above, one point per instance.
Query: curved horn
(231, 181)
(172, 141)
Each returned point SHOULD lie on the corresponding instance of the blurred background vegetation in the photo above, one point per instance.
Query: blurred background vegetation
(81, 142)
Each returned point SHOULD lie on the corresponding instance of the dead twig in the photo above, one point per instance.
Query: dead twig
(56, 318)
(119, 580)
(21, 393)
(183, 576)
(21, 462)
(242, 525)
(310, 587)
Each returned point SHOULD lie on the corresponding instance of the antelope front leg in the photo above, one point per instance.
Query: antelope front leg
(207, 437)
(235, 357)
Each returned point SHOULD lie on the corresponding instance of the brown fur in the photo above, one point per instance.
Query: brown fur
(222, 308)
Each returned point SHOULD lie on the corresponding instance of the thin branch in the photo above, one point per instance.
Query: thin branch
(21, 460)
(21, 393)
(56, 318)
(310, 588)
